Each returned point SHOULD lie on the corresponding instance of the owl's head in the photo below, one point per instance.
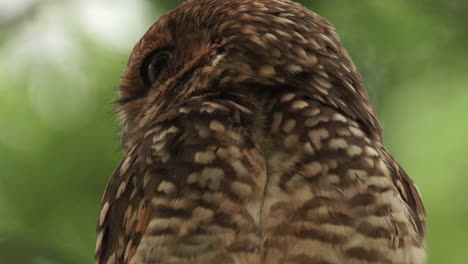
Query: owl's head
(237, 46)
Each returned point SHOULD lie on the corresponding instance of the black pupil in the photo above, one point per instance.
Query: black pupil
(156, 66)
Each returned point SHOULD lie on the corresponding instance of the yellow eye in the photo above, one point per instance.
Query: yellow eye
(154, 65)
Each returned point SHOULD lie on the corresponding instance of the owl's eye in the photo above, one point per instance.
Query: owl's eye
(154, 65)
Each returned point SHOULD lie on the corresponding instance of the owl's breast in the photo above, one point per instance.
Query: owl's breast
(329, 196)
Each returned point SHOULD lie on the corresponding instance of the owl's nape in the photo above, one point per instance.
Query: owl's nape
(250, 138)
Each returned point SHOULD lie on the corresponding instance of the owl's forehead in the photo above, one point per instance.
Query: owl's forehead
(219, 19)
(217, 12)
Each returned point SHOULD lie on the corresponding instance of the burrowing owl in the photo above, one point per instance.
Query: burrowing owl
(249, 138)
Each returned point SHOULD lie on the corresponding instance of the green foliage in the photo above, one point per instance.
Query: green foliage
(59, 139)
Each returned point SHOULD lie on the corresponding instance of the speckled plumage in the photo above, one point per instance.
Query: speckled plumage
(257, 144)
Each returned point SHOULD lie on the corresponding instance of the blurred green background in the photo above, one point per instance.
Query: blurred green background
(60, 63)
